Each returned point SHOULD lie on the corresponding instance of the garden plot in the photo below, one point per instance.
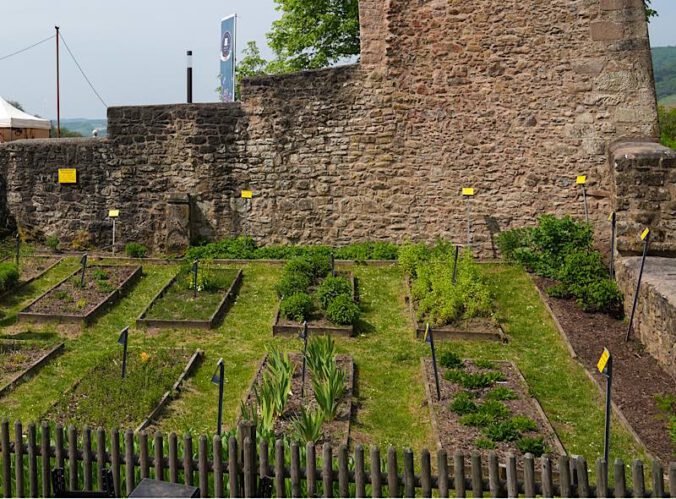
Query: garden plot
(20, 359)
(486, 405)
(103, 398)
(176, 305)
(310, 290)
(455, 301)
(321, 413)
(69, 302)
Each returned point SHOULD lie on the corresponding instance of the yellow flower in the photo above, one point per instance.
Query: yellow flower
(144, 357)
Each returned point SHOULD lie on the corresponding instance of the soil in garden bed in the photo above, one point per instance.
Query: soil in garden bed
(32, 266)
(335, 432)
(70, 299)
(179, 302)
(637, 377)
(17, 356)
(103, 398)
(453, 435)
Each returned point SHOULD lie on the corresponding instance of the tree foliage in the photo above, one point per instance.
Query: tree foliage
(668, 127)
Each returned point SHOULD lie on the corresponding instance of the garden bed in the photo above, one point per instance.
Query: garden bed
(102, 398)
(21, 359)
(638, 380)
(504, 432)
(69, 303)
(176, 307)
(317, 322)
(335, 432)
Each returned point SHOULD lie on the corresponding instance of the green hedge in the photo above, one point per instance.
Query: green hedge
(9, 276)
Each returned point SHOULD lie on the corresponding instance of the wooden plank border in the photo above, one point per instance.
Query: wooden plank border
(32, 369)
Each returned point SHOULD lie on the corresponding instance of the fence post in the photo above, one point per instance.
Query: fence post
(280, 489)
(392, 476)
(564, 476)
(442, 466)
(233, 471)
(263, 463)
(87, 457)
(529, 475)
(115, 460)
(359, 471)
(129, 460)
(327, 470)
(493, 474)
(311, 469)
(343, 474)
(202, 465)
(638, 478)
(32, 460)
(512, 481)
(295, 470)
(672, 479)
(601, 477)
(477, 479)
(72, 457)
(218, 465)
(620, 480)
(6, 460)
(459, 474)
(547, 481)
(44, 452)
(18, 455)
(159, 456)
(376, 476)
(249, 470)
(409, 474)
(173, 458)
(426, 473)
(100, 456)
(658, 479)
(59, 447)
(582, 477)
(187, 459)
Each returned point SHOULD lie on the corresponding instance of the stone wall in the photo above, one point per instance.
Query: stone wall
(514, 98)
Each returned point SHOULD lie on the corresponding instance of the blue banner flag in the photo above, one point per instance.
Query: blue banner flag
(227, 49)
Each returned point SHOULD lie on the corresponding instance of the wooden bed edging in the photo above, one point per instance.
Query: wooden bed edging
(211, 323)
(82, 320)
(23, 284)
(32, 369)
(170, 394)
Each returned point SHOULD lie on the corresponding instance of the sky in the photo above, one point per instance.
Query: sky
(133, 51)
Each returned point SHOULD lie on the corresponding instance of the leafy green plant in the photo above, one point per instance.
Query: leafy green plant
(291, 284)
(297, 307)
(534, 445)
(502, 431)
(52, 242)
(9, 276)
(100, 274)
(484, 364)
(279, 374)
(450, 360)
(81, 304)
(307, 426)
(343, 311)
(485, 443)
(501, 393)
(463, 403)
(477, 419)
(412, 256)
(135, 250)
(331, 288)
(329, 391)
(494, 408)
(104, 286)
(320, 356)
(473, 381)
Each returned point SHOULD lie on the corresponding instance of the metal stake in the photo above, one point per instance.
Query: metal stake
(455, 264)
(84, 269)
(124, 340)
(18, 249)
(304, 336)
(469, 221)
(194, 277)
(613, 235)
(646, 243)
(219, 379)
(584, 197)
(189, 75)
(606, 444)
(429, 336)
(113, 237)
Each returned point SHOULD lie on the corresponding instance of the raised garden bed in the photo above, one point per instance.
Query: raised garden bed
(67, 302)
(317, 322)
(103, 398)
(176, 307)
(19, 360)
(501, 429)
(336, 432)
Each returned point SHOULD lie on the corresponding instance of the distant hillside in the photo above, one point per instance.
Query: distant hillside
(86, 126)
(664, 63)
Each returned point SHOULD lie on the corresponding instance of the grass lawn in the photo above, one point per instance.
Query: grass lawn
(390, 390)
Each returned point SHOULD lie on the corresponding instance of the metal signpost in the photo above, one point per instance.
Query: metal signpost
(303, 336)
(18, 248)
(429, 338)
(83, 262)
(218, 379)
(455, 264)
(646, 243)
(195, 269)
(605, 367)
(189, 77)
(468, 193)
(247, 196)
(582, 182)
(114, 214)
(124, 341)
(613, 235)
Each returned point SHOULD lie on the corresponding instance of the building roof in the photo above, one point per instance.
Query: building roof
(11, 117)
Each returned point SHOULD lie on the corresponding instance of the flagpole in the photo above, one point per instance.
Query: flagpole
(58, 87)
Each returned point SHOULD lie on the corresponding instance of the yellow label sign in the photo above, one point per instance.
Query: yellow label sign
(247, 194)
(113, 213)
(645, 234)
(468, 191)
(67, 176)
(603, 361)
(610, 217)
(581, 179)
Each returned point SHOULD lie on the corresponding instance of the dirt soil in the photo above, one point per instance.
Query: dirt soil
(637, 377)
(16, 357)
(455, 436)
(70, 299)
(335, 432)
(33, 266)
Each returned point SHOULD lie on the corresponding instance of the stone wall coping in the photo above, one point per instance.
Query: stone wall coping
(659, 272)
(88, 141)
(640, 149)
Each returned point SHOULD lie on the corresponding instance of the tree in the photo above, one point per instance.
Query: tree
(251, 64)
(649, 12)
(16, 105)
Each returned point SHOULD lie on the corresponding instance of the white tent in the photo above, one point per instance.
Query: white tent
(11, 117)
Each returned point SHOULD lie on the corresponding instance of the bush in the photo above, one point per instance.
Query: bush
(368, 251)
(302, 265)
(534, 445)
(9, 276)
(291, 284)
(52, 242)
(511, 241)
(450, 360)
(331, 288)
(343, 311)
(601, 296)
(135, 250)
(296, 307)
(463, 403)
(411, 256)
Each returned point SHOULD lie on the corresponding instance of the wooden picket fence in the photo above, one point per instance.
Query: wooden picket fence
(236, 466)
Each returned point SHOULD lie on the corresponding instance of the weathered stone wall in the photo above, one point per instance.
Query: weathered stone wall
(513, 98)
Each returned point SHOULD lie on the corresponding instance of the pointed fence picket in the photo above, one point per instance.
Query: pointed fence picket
(235, 466)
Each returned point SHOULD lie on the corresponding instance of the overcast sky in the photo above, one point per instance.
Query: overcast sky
(134, 50)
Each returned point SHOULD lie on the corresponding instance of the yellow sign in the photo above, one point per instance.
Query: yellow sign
(645, 234)
(603, 361)
(610, 217)
(581, 180)
(468, 191)
(67, 176)
(113, 213)
(247, 194)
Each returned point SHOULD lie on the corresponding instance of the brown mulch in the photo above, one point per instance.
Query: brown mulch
(455, 436)
(16, 357)
(70, 299)
(33, 266)
(637, 377)
(335, 432)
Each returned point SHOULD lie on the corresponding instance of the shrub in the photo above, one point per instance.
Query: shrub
(411, 256)
(9, 276)
(501, 393)
(463, 404)
(291, 284)
(368, 251)
(450, 360)
(343, 311)
(511, 241)
(296, 307)
(135, 250)
(534, 445)
(601, 296)
(52, 242)
(300, 265)
(331, 288)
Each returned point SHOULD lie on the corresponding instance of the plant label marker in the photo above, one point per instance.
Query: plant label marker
(218, 378)
(645, 236)
(247, 196)
(429, 338)
(67, 176)
(613, 236)
(455, 264)
(605, 367)
(83, 262)
(113, 214)
(303, 336)
(124, 340)
(582, 182)
(468, 193)
(18, 249)
(195, 269)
